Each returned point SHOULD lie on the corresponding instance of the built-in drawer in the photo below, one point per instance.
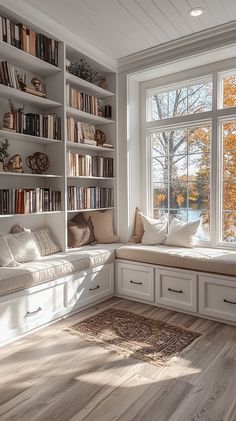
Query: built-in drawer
(176, 288)
(135, 281)
(217, 297)
(29, 309)
(90, 287)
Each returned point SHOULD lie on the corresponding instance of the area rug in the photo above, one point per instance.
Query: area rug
(135, 335)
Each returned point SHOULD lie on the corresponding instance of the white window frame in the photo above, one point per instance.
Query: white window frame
(216, 116)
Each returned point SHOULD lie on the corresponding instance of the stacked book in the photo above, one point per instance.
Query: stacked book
(89, 166)
(9, 76)
(48, 126)
(25, 39)
(81, 101)
(79, 198)
(34, 200)
(80, 132)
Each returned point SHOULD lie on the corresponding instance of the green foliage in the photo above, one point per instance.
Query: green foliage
(83, 70)
(4, 144)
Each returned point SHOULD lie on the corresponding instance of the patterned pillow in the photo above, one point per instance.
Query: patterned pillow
(80, 231)
(45, 242)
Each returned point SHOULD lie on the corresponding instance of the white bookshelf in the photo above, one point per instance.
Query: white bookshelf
(56, 79)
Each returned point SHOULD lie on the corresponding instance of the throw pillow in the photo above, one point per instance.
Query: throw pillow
(154, 230)
(138, 227)
(5, 253)
(45, 242)
(23, 247)
(181, 234)
(80, 233)
(17, 228)
(102, 222)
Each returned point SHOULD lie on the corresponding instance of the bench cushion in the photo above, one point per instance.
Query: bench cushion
(200, 259)
(54, 266)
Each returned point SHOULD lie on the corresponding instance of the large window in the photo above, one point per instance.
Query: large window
(191, 144)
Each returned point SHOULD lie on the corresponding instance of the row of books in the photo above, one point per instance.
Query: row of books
(89, 197)
(81, 101)
(79, 132)
(48, 126)
(35, 200)
(25, 39)
(9, 76)
(89, 166)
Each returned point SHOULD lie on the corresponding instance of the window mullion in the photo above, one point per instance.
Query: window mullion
(215, 194)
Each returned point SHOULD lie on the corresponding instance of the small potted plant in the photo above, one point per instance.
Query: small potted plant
(4, 144)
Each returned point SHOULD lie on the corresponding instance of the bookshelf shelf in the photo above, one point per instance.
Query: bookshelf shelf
(87, 117)
(15, 174)
(90, 178)
(27, 138)
(87, 86)
(89, 210)
(88, 147)
(27, 61)
(25, 98)
(29, 214)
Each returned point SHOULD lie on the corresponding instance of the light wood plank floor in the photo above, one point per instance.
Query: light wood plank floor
(53, 375)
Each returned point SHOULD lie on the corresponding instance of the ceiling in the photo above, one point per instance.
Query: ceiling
(123, 27)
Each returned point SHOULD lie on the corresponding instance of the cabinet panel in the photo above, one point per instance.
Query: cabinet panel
(176, 288)
(217, 297)
(135, 281)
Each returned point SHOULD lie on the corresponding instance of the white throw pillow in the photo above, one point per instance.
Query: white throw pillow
(154, 230)
(6, 257)
(23, 247)
(181, 234)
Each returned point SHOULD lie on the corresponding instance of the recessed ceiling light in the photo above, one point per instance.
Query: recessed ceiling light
(196, 11)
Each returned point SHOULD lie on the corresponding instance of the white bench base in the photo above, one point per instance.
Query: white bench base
(203, 294)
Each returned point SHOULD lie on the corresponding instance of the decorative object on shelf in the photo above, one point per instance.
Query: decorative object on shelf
(38, 162)
(37, 87)
(100, 104)
(10, 117)
(100, 137)
(14, 164)
(4, 144)
(103, 82)
(83, 70)
(108, 111)
(21, 80)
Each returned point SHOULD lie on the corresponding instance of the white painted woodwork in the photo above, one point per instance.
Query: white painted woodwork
(90, 118)
(217, 297)
(94, 286)
(25, 98)
(87, 87)
(125, 27)
(135, 280)
(26, 310)
(176, 288)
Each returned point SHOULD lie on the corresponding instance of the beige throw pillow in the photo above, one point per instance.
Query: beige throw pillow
(80, 231)
(138, 227)
(23, 247)
(45, 242)
(182, 234)
(5, 253)
(103, 226)
(154, 230)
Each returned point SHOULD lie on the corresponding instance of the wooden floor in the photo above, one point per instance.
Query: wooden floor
(53, 375)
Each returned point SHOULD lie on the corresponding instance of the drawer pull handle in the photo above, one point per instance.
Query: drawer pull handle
(32, 313)
(228, 301)
(92, 289)
(136, 283)
(179, 291)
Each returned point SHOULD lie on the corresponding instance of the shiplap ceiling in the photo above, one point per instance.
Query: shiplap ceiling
(123, 27)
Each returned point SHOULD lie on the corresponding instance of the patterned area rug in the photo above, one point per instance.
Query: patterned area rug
(134, 335)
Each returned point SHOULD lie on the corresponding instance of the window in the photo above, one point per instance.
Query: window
(191, 161)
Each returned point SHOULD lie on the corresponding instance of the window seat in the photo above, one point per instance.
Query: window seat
(55, 266)
(200, 259)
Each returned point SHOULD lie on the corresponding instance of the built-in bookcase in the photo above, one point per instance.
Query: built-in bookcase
(57, 176)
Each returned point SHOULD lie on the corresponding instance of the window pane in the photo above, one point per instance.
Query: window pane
(160, 214)
(229, 165)
(191, 99)
(199, 195)
(159, 169)
(229, 227)
(199, 167)
(159, 144)
(199, 139)
(178, 195)
(178, 168)
(160, 196)
(229, 91)
(229, 136)
(229, 196)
